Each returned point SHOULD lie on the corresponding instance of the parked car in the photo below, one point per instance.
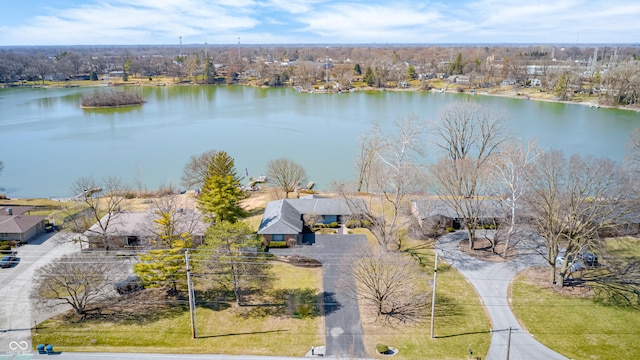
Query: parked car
(8, 261)
(581, 261)
(129, 285)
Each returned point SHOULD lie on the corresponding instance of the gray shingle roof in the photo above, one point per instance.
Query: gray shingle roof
(18, 224)
(280, 218)
(285, 216)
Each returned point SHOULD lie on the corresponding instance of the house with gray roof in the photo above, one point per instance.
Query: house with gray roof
(435, 214)
(137, 229)
(17, 225)
(284, 220)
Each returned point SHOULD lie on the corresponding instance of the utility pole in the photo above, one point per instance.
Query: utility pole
(433, 297)
(508, 342)
(192, 304)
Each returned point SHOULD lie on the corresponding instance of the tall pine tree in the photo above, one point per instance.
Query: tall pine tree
(222, 191)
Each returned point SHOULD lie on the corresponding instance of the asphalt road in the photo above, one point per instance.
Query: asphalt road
(16, 316)
(491, 281)
(342, 319)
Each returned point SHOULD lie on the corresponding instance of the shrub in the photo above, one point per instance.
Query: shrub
(277, 244)
(382, 348)
(450, 229)
(332, 225)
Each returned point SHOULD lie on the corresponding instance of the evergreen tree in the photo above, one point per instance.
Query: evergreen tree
(357, 69)
(165, 266)
(232, 253)
(222, 190)
(369, 78)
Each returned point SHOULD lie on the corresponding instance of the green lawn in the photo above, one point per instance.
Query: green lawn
(578, 328)
(581, 328)
(460, 320)
(221, 329)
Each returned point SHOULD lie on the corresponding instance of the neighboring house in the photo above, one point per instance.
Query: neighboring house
(136, 230)
(17, 225)
(283, 220)
(439, 215)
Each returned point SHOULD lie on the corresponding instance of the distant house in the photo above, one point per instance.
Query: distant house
(535, 82)
(435, 214)
(283, 220)
(135, 229)
(17, 225)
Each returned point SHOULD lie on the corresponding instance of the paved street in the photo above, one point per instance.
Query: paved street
(342, 321)
(16, 316)
(491, 281)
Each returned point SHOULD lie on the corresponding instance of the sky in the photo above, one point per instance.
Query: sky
(138, 22)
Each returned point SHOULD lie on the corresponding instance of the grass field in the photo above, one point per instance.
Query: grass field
(580, 327)
(460, 321)
(221, 329)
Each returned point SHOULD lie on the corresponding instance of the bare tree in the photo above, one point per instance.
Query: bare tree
(77, 280)
(197, 169)
(285, 174)
(507, 176)
(368, 147)
(387, 283)
(169, 218)
(572, 202)
(393, 173)
(470, 135)
(103, 201)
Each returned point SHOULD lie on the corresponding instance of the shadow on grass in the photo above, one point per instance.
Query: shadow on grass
(255, 211)
(239, 334)
(463, 334)
(296, 303)
(446, 307)
(141, 307)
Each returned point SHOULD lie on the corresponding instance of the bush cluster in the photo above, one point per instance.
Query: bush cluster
(352, 224)
(277, 244)
(111, 99)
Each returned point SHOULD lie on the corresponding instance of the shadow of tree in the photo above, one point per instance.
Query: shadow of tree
(295, 303)
(141, 307)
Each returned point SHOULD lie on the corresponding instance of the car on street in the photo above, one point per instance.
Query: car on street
(8, 261)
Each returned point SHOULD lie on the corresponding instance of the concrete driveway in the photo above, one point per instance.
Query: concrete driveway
(342, 319)
(16, 316)
(491, 281)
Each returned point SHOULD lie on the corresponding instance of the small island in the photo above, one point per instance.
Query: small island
(109, 99)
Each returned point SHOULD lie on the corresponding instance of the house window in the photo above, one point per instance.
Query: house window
(277, 237)
(133, 241)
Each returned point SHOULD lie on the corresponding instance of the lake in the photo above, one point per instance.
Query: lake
(47, 141)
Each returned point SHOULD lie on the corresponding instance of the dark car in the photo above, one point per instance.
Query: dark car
(8, 261)
(129, 285)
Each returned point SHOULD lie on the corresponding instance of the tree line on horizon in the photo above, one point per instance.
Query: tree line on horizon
(609, 72)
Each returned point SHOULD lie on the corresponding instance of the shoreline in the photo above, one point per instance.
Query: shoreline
(521, 94)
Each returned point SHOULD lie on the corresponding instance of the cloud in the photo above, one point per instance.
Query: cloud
(326, 21)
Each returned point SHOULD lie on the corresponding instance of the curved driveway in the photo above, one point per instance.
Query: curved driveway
(491, 281)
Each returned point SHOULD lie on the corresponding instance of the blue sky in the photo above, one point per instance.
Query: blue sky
(133, 22)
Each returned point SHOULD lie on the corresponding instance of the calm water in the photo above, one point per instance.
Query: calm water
(47, 141)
